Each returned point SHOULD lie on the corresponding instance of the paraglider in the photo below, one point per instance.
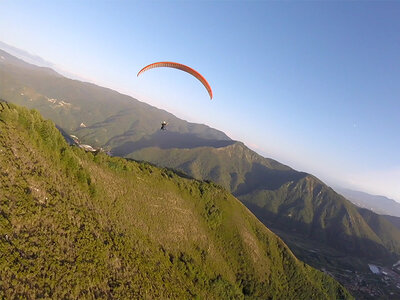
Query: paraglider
(164, 125)
(169, 64)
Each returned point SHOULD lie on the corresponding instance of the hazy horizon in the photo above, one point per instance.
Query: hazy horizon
(289, 80)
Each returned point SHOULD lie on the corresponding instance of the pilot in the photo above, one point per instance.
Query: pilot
(164, 125)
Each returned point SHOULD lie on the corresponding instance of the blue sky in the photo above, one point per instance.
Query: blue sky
(315, 85)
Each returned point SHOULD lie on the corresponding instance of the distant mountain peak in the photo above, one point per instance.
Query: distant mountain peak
(377, 203)
(26, 56)
(36, 60)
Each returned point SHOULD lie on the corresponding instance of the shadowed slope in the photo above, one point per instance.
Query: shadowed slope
(394, 220)
(168, 140)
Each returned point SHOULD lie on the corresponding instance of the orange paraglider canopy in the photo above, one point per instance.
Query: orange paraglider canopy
(169, 64)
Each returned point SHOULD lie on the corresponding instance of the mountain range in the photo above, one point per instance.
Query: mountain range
(322, 227)
(379, 204)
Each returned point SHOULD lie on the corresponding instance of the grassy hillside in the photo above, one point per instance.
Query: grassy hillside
(78, 225)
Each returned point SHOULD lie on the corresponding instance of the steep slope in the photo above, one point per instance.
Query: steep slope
(394, 220)
(78, 225)
(282, 197)
(383, 227)
(227, 165)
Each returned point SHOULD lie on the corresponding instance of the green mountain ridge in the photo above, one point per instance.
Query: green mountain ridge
(283, 198)
(78, 225)
(320, 226)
